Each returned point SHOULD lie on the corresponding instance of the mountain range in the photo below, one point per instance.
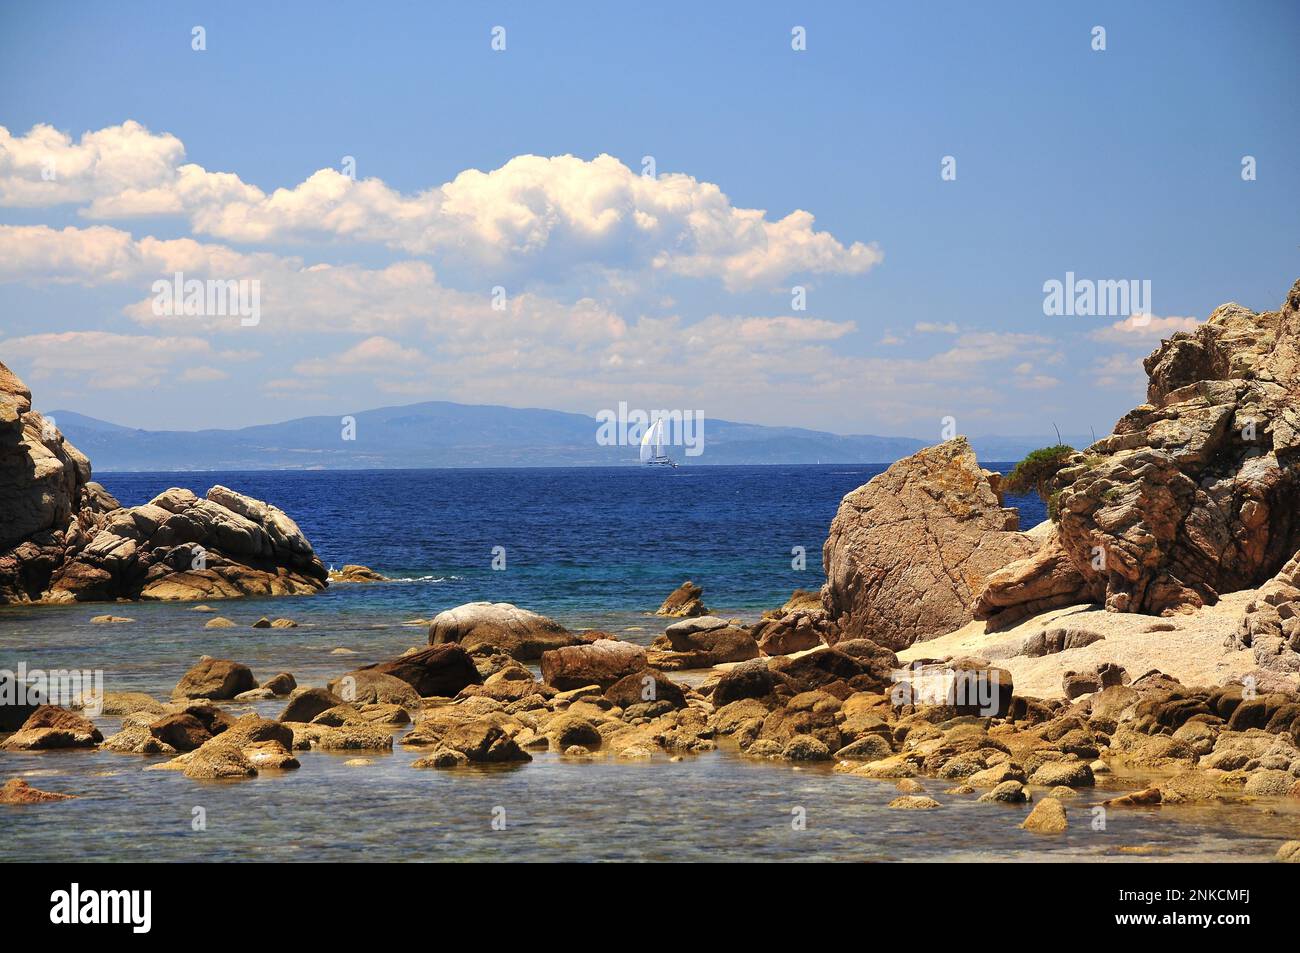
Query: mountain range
(444, 434)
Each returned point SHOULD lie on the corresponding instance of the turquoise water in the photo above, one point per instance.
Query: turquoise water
(594, 548)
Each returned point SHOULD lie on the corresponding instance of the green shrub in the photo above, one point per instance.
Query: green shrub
(1036, 472)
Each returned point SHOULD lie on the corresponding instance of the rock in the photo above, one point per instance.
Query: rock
(601, 663)
(645, 686)
(1103, 675)
(136, 739)
(373, 714)
(961, 686)
(50, 727)
(264, 755)
(481, 741)
(500, 627)
(806, 748)
(349, 736)
(442, 758)
(356, 573)
(109, 620)
(66, 539)
(215, 679)
(1054, 640)
(1070, 774)
(908, 551)
(715, 645)
(308, 703)
(1269, 783)
(750, 679)
(566, 730)
(684, 601)
(866, 748)
(826, 667)
(1144, 798)
(262, 623)
(914, 802)
(218, 760)
(219, 622)
(796, 631)
(1289, 853)
(367, 686)
(280, 684)
(441, 670)
(180, 732)
(1193, 494)
(1047, 817)
(1008, 792)
(18, 791)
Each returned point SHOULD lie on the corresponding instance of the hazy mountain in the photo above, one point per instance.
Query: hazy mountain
(443, 434)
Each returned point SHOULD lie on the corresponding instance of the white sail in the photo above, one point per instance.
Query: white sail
(652, 442)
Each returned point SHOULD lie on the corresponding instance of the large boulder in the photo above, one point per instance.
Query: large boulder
(499, 627)
(908, 551)
(601, 663)
(366, 686)
(1195, 493)
(440, 670)
(215, 678)
(65, 539)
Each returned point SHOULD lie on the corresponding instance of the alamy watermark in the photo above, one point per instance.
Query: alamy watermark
(1085, 297)
(70, 688)
(625, 428)
(215, 297)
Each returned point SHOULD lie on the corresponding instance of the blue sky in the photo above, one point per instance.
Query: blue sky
(924, 296)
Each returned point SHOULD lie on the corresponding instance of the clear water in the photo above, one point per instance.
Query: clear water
(594, 548)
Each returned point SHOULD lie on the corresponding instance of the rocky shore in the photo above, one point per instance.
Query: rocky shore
(64, 538)
(1149, 630)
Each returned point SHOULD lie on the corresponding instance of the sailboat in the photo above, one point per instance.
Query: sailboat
(652, 446)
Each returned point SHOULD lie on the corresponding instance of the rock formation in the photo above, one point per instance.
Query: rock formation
(1197, 491)
(684, 602)
(908, 551)
(63, 538)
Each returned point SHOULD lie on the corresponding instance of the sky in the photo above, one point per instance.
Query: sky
(622, 205)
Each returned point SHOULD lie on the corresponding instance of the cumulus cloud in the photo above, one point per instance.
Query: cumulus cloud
(932, 327)
(1142, 328)
(534, 212)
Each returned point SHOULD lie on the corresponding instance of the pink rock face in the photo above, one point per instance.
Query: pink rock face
(908, 551)
(1196, 493)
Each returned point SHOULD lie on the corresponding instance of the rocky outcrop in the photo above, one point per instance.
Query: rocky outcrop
(500, 627)
(1270, 626)
(1197, 491)
(908, 551)
(63, 538)
(684, 602)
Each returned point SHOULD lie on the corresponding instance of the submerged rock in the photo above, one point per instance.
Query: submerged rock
(1047, 817)
(18, 791)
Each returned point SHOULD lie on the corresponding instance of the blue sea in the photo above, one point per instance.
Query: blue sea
(594, 548)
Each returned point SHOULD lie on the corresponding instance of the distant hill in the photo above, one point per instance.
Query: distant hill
(444, 434)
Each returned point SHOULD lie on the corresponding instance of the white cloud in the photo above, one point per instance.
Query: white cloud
(544, 214)
(1145, 327)
(101, 360)
(931, 327)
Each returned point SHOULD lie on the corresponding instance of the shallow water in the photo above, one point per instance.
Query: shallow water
(594, 548)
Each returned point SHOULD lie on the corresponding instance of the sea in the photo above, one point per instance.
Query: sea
(595, 548)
